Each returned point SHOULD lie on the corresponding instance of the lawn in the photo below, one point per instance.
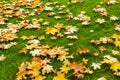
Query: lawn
(59, 40)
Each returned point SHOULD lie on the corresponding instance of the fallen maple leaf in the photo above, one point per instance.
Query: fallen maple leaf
(115, 66)
(2, 57)
(82, 51)
(77, 67)
(115, 52)
(114, 18)
(47, 69)
(23, 50)
(85, 61)
(40, 9)
(102, 49)
(117, 27)
(2, 46)
(24, 37)
(95, 42)
(65, 69)
(52, 31)
(116, 36)
(101, 78)
(96, 66)
(40, 77)
(117, 43)
(72, 37)
(79, 75)
(100, 21)
(104, 13)
(60, 76)
(22, 71)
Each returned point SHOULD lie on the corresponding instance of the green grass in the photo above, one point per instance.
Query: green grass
(9, 67)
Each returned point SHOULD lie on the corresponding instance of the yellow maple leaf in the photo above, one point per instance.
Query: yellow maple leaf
(115, 36)
(115, 66)
(39, 77)
(35, 3)
(23, 50)
(58, 26)
(34, 67)
(117, 43)
(50, 30)
(85, 61)
(60, 76)
(73, 1)
(65, 68)
(22, 72)
(24, 37)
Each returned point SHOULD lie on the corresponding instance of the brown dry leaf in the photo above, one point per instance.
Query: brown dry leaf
(77, 67)
(23, 50)
(60, 35)
(45, 61)
(100, 9)
(2, 46)
(69, 17)
(104, 14)
(82, 51)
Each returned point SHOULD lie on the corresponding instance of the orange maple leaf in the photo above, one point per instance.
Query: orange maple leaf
(77, 67)
(82, 51)
(23, 50)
